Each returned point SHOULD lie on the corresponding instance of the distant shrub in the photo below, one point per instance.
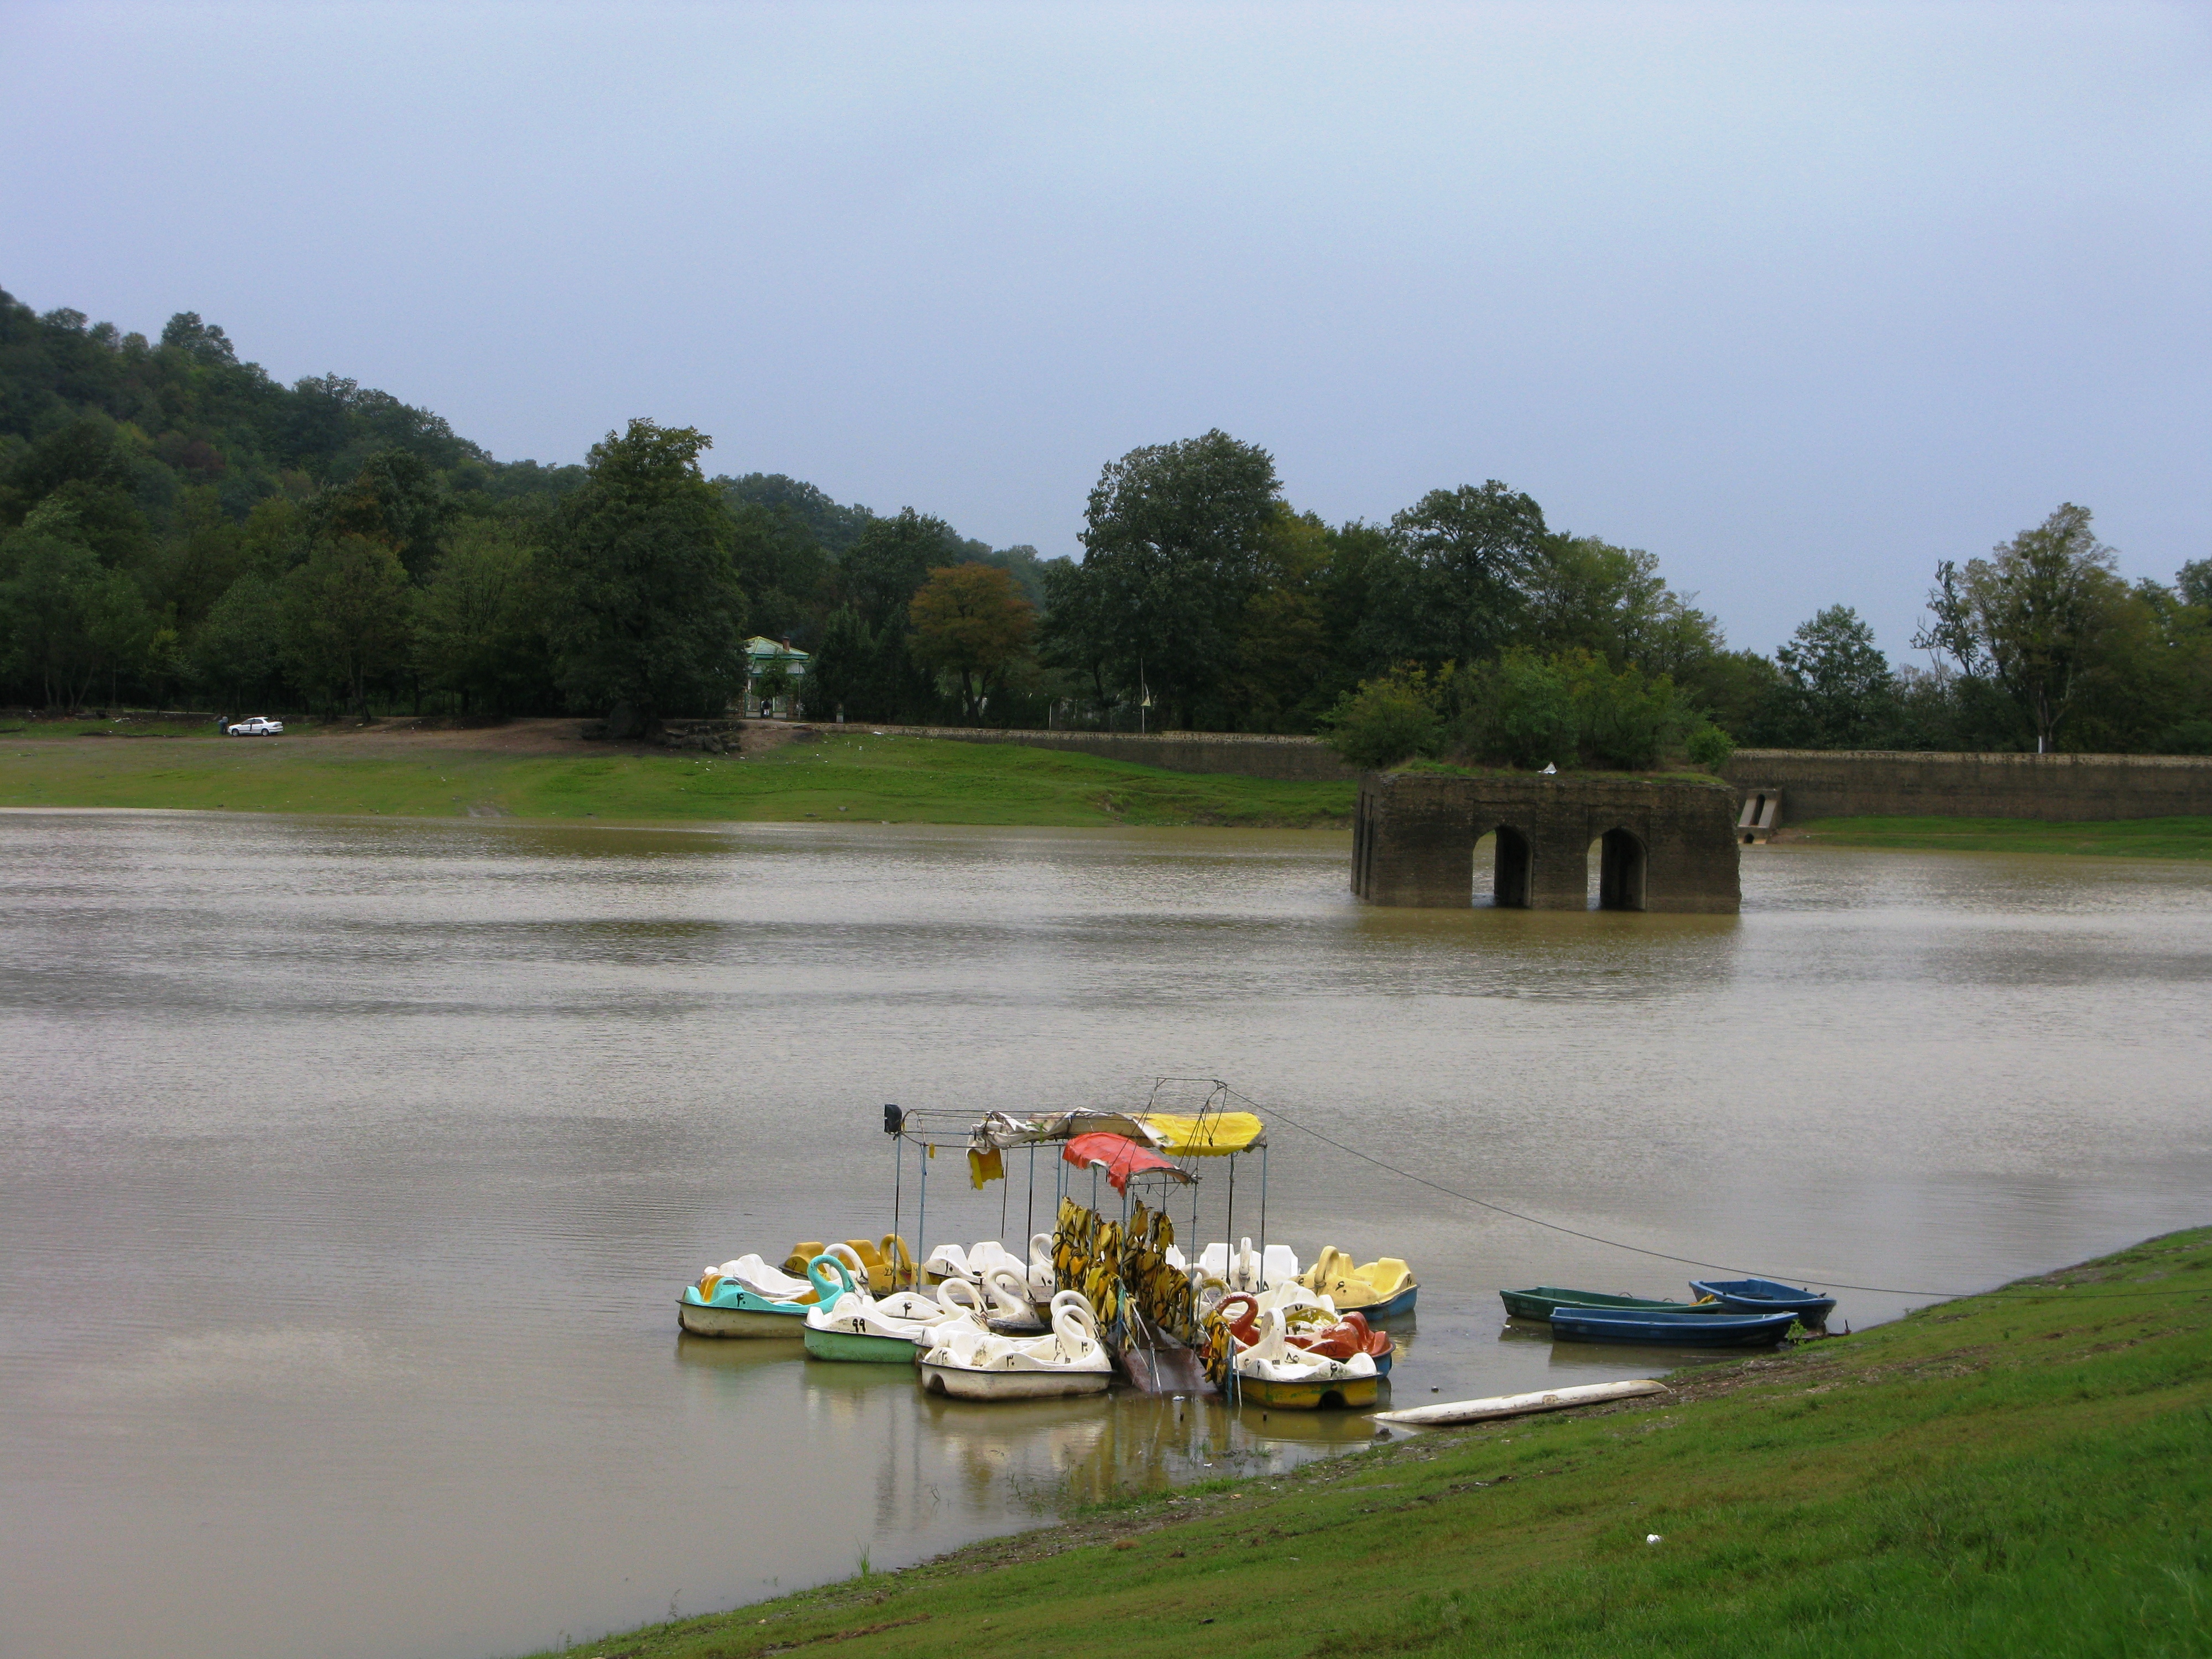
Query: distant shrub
(1520, 712)
(1572, 708)
(1708, 746)
(1384, 722)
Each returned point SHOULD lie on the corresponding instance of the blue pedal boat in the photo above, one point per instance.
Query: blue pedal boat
(1767, 1296)
(1673, 1329)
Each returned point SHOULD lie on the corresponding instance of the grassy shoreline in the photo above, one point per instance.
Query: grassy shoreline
(2027, 1471)
(853, 777)
(2132, 838)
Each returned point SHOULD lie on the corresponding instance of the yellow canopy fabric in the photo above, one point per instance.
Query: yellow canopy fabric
(1212, 1136)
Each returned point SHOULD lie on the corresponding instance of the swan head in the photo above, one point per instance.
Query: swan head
(831, 1278)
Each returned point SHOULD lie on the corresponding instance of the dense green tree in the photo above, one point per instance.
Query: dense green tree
(1172, 535)
(1385, 721)
(789, 579)
(1077, 633)
(647, 617)
(2030, 618)
(47, 580)
(1520, 711)
(479, 624)
(238, 651)
(832, 527)
(2193, 582)
(1281, 678)
(394, 498)
(119, 629)
(1458, 591)
(973, 624)
(842, 679)
(349, 613)
(1838, 691)
(882, 571)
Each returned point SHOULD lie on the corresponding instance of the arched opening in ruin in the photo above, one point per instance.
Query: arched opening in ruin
(1511, 866)
(1620, 870)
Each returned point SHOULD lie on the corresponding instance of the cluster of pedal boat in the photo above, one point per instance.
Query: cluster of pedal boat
(1106, 1297)
(1095, 1302)
(1732, 1313)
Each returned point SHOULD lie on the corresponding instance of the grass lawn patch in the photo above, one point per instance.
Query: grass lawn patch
(2027, 1471)
(2136, 838)
(848, 777)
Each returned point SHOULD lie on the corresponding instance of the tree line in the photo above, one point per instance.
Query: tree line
(176, 524)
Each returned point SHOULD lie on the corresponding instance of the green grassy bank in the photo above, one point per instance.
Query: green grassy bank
(2027, 1472)
(2135, 838)
(855, 778)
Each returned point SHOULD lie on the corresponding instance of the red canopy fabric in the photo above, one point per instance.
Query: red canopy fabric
(1119, 1156)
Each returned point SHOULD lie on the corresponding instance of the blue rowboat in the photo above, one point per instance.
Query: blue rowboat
(1538, 1303)
(1767, 1295)
(1677, 1330)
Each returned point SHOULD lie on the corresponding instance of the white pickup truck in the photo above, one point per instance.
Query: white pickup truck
(257, 725)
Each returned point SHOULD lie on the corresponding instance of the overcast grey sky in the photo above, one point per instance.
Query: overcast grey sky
(1801, 297)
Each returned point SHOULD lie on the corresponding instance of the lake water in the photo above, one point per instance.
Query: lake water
(349, 1170)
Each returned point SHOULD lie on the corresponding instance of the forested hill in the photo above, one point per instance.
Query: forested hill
(200, 486)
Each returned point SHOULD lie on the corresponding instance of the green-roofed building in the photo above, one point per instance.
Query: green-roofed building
(775, 676)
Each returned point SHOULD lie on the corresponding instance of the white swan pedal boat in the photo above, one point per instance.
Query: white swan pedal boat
(1271, 1372)
(847, 1323)
(968, 1362)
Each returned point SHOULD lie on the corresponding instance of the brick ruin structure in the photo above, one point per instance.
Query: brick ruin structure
(1665, 843)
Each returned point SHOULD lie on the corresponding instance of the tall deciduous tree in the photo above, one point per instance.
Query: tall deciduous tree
(1839, 690)
(2030, 617)
(971, 622)
(396, 499)
(1467, 557)
(840, 679)
(478, 630)
(348, 613)
(47, 580)
(238, 651)
(882, 571)
(1172, 535)
(648, 620)
(1077, 632)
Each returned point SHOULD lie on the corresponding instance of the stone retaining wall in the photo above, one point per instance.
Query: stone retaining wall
(2058, 788)
(1241, 754)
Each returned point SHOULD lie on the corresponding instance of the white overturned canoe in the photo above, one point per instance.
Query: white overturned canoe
(1518, 1405)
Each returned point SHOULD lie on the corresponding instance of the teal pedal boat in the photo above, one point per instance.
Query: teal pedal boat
(743, 1298)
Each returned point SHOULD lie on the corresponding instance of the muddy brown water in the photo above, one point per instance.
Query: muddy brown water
(349, 1170)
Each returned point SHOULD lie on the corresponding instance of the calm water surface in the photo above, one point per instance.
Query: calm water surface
(348, 1170)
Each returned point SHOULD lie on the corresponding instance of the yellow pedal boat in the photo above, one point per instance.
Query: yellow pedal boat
(1380, 1290)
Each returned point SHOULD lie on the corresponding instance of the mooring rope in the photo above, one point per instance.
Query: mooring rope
(1280, 1115)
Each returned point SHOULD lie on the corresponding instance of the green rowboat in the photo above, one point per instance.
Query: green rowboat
(1537, 1304)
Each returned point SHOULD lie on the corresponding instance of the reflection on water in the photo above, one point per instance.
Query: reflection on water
(349, 1170)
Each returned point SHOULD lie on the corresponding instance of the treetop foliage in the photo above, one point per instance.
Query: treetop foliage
(175, 523)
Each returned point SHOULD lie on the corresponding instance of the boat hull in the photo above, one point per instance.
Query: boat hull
(1673, 1330)
(956, 1384)
(703, 1321)
(860, 1348)
(1342, 1393)
(1396, 1306)
(1538, 1302)
(1765, 1295)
